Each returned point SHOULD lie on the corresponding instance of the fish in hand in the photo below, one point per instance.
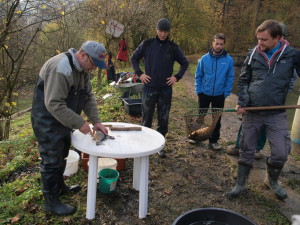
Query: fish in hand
(99, 137)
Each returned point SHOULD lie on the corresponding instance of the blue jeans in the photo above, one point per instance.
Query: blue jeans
(160, 98)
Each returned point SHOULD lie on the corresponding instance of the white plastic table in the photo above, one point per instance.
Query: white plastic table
(127, 144)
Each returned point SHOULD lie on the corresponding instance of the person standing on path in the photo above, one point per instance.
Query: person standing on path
(62, 91)
(213, 82)
(264, 81)
(262, 137)
(159, 55)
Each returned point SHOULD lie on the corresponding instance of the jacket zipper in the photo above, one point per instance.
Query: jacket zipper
(215, 76)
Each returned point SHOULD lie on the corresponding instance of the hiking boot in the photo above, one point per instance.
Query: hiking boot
(241, 184)
(233, 151)
(162, 154)
(257, 154)
(215, 146)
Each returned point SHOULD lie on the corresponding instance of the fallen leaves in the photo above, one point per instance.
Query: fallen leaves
(16, 218)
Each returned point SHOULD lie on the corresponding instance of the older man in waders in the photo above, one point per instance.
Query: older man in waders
(62, 91)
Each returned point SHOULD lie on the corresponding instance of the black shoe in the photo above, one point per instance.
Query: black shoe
(162, 153)
(70, 189)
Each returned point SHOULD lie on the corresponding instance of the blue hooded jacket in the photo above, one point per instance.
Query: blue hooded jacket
(214, 74)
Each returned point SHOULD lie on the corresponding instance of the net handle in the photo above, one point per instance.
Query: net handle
(266, 108)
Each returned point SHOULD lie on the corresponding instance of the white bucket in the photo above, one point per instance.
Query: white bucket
(104, 163)
(72, 163)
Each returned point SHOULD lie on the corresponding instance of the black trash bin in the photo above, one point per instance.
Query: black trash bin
(212, 216)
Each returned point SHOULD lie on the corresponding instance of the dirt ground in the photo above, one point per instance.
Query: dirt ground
(193, 176)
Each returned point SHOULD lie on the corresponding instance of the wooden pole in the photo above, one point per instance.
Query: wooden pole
(295, 132)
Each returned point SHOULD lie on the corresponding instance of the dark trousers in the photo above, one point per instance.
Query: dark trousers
(204, 101)
(160, 98)
(53, 164)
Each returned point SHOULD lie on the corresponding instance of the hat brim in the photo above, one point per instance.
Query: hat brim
(100, 64)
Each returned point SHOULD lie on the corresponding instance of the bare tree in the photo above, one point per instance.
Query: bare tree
(21, 22)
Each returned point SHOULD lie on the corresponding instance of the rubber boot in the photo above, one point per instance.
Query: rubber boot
(65, 189)
(52, 204)
(271, 181)
(51, 190)
(241, 185)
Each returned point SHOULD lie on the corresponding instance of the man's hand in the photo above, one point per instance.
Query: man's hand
(171, 80)
(101, 127)
(86, 129)
(239, 110)
(145, 78)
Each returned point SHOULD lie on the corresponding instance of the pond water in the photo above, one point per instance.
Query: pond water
(292, 97)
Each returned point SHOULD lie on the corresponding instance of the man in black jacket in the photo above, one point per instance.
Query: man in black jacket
(159, 55)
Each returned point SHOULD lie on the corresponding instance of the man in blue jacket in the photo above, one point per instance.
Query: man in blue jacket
(213, 82)
(264, 81)
(159, 55)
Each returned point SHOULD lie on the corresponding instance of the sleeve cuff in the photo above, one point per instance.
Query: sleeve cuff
(177, 77)
(139, 73)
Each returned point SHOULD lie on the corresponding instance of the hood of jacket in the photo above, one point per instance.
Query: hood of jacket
(223, 53)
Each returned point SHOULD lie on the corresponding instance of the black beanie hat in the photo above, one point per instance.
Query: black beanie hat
(163, 24)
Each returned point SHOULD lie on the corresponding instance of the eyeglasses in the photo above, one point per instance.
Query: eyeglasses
(91, 60)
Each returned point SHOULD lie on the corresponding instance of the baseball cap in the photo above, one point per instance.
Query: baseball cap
(96, 51)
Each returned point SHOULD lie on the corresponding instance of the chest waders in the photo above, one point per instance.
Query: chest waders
(54, 143)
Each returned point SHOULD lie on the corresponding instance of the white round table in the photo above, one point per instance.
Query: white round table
(127, 144)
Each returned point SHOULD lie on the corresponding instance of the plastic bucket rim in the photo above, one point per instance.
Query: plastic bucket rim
(109, 169)
(212, 208)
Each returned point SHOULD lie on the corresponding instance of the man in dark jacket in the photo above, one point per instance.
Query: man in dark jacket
(159, 55)
(264, 81)
(62, 91)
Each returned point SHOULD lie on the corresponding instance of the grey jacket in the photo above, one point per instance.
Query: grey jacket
(61, 93)
(266, 82)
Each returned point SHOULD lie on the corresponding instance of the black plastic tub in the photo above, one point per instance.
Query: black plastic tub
(133, 106)
(212, 216)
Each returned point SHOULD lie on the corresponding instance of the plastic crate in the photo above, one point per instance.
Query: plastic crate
(133, 106)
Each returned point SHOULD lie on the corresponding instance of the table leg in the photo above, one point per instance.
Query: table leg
(143, 197)
(136, 173)
(92, 187)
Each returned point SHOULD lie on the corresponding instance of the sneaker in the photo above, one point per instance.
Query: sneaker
(257, 154)
(233, 151)
(193, 142)
(162, 154)
(215, 146)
